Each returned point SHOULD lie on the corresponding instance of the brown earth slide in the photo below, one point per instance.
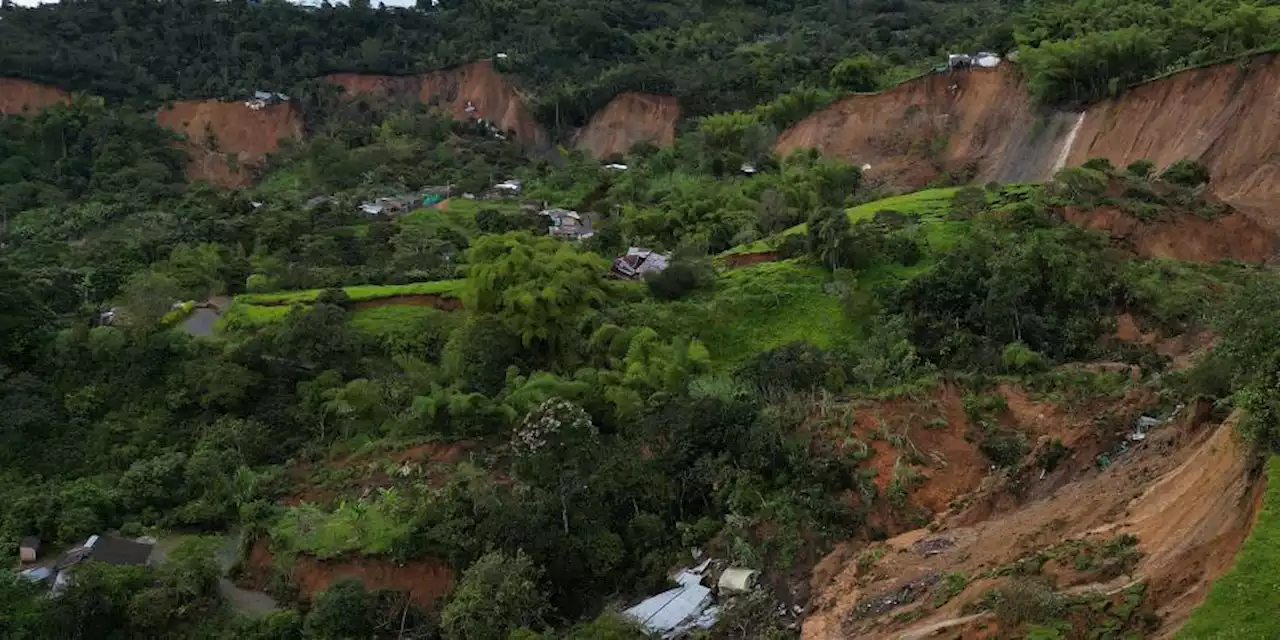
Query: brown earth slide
(1188, 493)
(226, 140)
(1223, 115)
(939, 122)
(629, 119)
(18, 95)
(494, 97)
(1182, 236)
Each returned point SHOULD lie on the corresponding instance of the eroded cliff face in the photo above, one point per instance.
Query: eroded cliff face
(494, 97)
(629, 119)
(227, 140)
(940, 122)
(1227, 116)
(17, 96)
(1224, 116)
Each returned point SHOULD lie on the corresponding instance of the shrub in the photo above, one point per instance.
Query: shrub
(798, 366)
(1004, 448)
(1186, 173)
(859, 73)
(497, 594)
(258, 283)
(1102, 165)
(491, 221)
(1140, 168)
(676, 281)
(1026, 600)
(1019, 358)
(1081, 185)
(968, 202)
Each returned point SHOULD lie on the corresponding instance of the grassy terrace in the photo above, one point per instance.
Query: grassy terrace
(1242, 604)
(447, 288)
(264, 308)
(930, 205)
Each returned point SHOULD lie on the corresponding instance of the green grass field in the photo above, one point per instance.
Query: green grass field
(1242, 604)
(451, 288)
(931, 205)
(751, 310)
(256, 309)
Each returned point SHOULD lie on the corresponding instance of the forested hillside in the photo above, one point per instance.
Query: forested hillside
(390, 388)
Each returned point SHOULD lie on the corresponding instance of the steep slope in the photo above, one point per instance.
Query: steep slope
(494, 97)
(1182, 236)
(629, 119)
(226, 140)
(1188, 494)
(940, 122)
(17, 95)
(1224, 116)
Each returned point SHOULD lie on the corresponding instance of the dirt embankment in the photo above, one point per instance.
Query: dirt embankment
(494, 97)
(1182, 236)
(629, 119)
(1224, 116)
(226, 140)
(423, 582)
(17, 95)
(940, 122)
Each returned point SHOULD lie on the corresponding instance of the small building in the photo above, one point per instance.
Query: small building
(262, 99)
(567, 224)
(105, 549)
(508, 188)
(394, 205)
(958, 61)
(28, 549)
(639, 261)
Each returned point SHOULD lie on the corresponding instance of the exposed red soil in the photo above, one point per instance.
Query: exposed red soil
(747, 259)
(243, 136)
(17, 95)
(444, 303)
(1183, 349)
(494, 97)
(939, 122)
(1223, 115)
(629, 119)
(424, 581)
(1181, 236)
(1188, 492)
(931, 437)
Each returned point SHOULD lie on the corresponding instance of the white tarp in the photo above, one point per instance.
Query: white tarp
(735, 580)
(988, 61)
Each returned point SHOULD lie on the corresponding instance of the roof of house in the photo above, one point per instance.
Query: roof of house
(119, 551)
(115, 551)
(31, 542)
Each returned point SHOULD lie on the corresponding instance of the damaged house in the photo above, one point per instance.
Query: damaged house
(639, 261)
